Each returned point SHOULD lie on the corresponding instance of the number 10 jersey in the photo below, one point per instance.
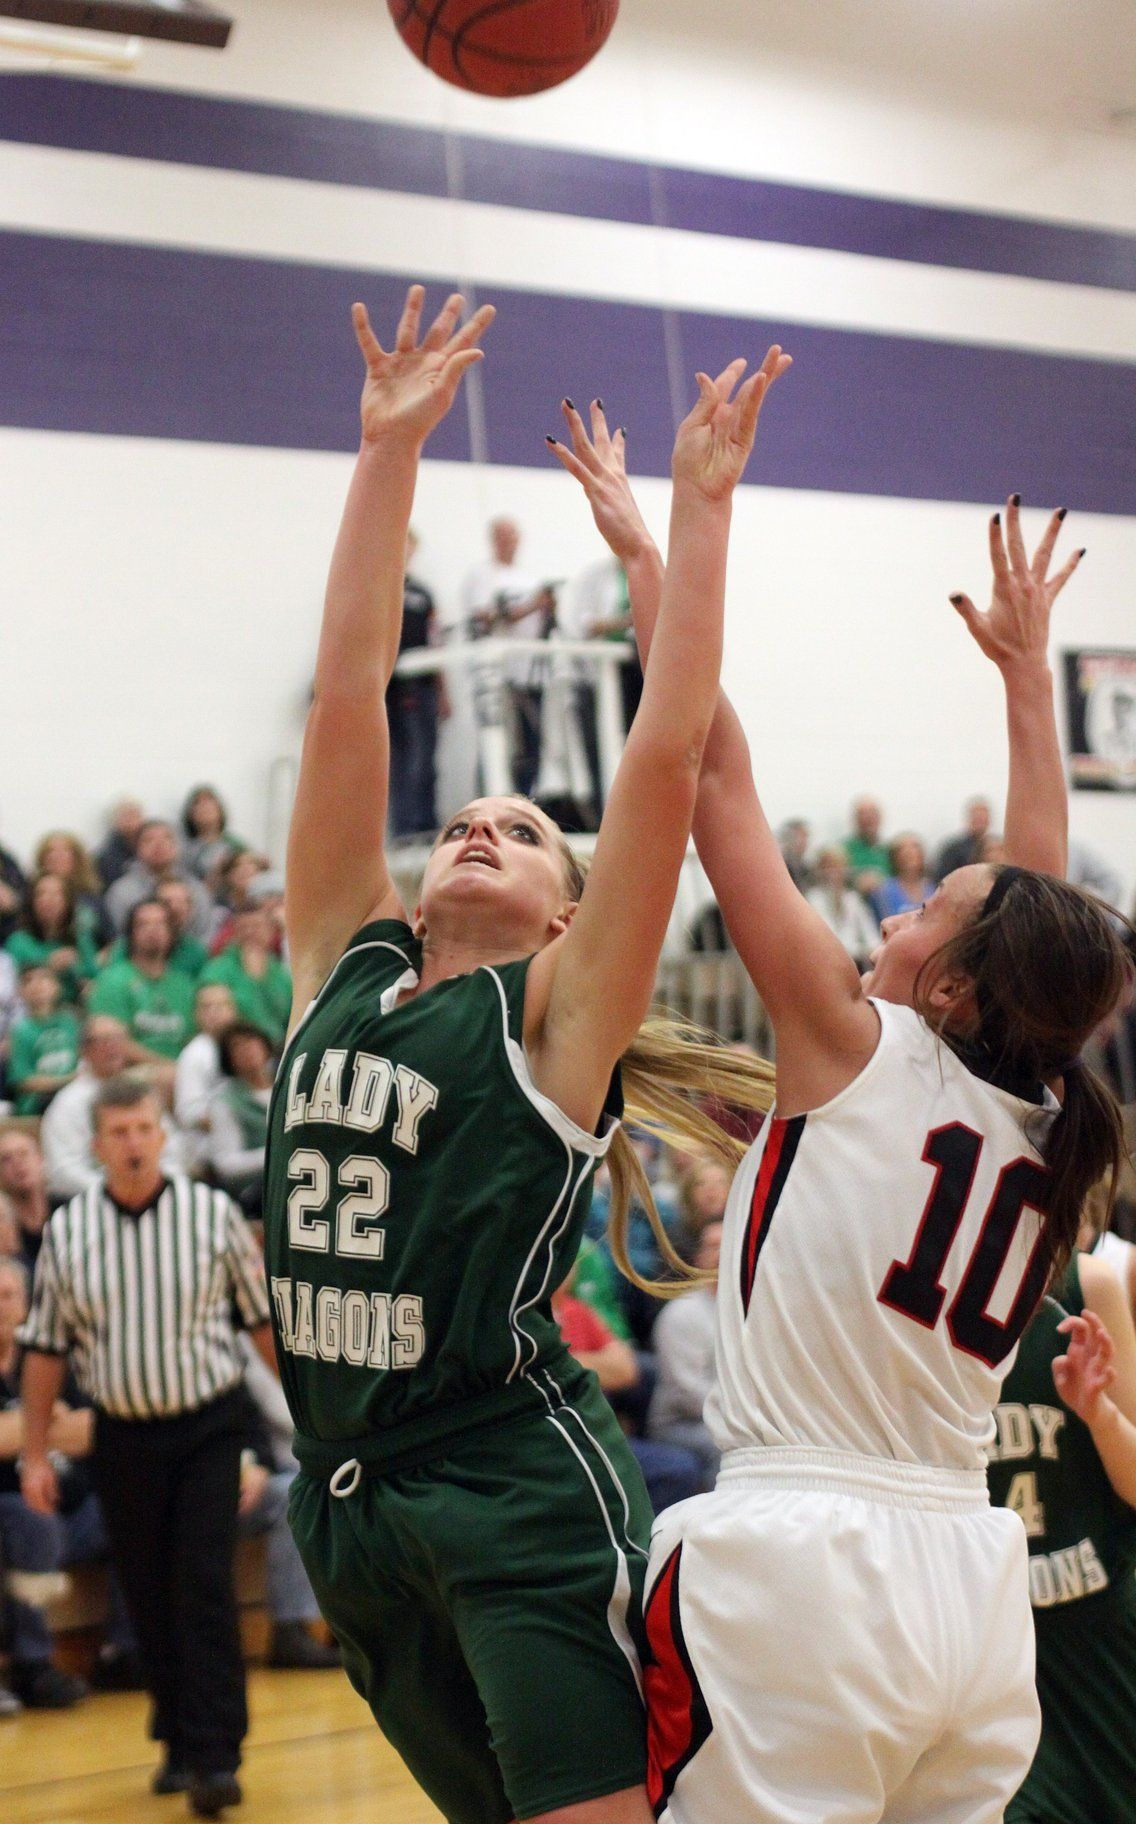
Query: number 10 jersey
(881, 1258)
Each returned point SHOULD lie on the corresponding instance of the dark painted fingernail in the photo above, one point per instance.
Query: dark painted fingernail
(1061, 512)
(1015, 500)
(551, 440)
(623, 432)
(997, 520)
(569, 403)
(1082, 551)
(956, 599)
(600, 403)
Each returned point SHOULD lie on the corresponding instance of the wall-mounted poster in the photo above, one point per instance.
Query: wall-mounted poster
(1100, 697)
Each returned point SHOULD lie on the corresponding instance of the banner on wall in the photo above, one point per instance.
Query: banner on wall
(1100, 699)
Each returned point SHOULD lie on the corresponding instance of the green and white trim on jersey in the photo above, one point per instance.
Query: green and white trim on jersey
(594, 1147)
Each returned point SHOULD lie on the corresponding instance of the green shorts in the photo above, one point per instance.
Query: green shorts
(488, 1604)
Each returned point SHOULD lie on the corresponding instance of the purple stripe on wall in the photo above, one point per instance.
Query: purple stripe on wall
(176, 344)
(236, 135)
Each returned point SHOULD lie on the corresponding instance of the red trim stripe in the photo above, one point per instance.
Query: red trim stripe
(776, 1161)
(678, 1721)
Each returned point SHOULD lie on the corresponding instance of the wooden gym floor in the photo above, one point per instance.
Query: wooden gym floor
(313, 1756)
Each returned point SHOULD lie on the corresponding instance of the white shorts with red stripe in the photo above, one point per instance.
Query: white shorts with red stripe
(838, 1640)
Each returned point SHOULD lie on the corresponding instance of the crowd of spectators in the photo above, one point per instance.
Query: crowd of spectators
(868, 876)
(163, 954)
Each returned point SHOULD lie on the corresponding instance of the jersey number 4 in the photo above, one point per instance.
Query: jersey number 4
(914, 1286)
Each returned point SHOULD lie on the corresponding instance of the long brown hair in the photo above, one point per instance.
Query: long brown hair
(1045, 964)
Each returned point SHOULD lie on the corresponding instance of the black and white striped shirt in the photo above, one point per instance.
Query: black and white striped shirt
(143, 1301)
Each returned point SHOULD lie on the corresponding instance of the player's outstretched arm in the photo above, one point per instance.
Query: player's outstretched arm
(1014, 635)
(589, 991)
(337, 875)
(1096, 1377)
(803, 973)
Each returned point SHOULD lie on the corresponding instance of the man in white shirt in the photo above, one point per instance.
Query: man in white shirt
(67, 1130)
(198, 1074)
(500, 598)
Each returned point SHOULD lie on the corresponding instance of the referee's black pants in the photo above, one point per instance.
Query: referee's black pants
(169, 1490)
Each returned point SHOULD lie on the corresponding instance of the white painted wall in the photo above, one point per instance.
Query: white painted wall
(161, 600)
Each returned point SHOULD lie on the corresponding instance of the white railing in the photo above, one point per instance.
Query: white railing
(559, 665)
(712, 989)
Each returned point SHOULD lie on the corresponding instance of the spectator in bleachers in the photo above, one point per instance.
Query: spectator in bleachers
(961, 850)
(44, 1045)
(10, 1004)
(238, 1111)
(684, 1360)
(992, 849)
(67, 1130)
(62, 852)
(198, 1073)
(670, 1472)
(908, 883)
(118, 850)
(499, 597)
(13, 886)
(157, 859)
(241, 887)
(865, 850)
(208, 840)
(261, 985)
(36, 1548)
(843, 910)
(794, 839)
(702, 1194)
(10, 1248)
(153, 1000)
(49, 933)
(23, 1182)
(189, 955)
(415, 706)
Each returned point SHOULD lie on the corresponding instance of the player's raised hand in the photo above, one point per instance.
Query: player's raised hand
(1016, 625)
(599, 463)
(1084, 1374)
(410, 389)
(714, 441)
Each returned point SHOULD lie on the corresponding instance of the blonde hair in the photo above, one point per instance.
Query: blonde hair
(671, 1068)
(84, 879)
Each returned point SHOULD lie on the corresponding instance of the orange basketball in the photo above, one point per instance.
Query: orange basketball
(504, 47)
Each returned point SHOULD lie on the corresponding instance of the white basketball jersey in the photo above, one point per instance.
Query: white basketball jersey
(880, 1261)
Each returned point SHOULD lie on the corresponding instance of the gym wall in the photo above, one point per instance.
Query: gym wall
(944, 238)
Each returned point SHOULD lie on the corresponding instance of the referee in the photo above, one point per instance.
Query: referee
(136, 1281)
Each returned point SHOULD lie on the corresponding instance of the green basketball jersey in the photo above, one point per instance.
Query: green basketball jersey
(1044, 1465)
(422, 1200)
(1082, 1545)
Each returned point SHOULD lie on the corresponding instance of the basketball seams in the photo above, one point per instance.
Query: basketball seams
(492, 10)
(431, 21)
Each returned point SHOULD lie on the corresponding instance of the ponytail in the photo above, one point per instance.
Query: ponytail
(1083, 1150)
(671, 1068)
(1044, 964)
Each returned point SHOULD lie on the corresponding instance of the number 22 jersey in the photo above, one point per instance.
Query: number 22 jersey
(880, 1260)
(422, 1199)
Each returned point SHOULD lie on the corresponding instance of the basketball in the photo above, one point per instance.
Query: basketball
(504, 47)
